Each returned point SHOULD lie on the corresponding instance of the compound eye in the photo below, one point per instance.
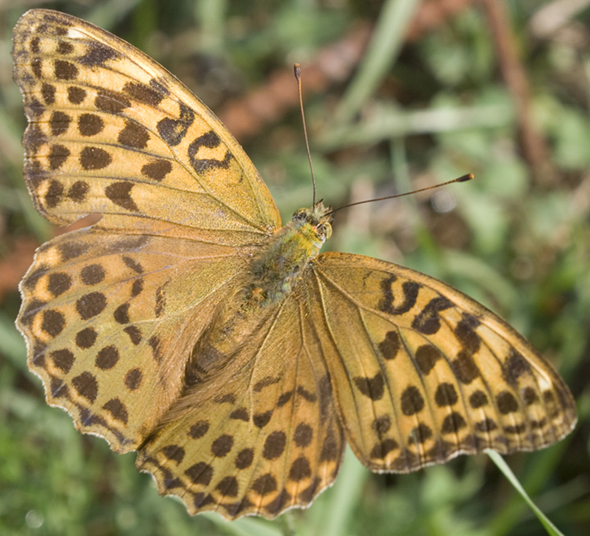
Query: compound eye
(299, 215)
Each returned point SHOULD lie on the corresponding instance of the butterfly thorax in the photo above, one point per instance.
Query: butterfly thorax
(239, 324)
(279, 265)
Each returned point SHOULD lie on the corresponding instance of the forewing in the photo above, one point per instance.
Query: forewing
(260, 437)
(422, 373)
(112, 132)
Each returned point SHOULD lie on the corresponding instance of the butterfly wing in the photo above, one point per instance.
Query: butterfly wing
(110, 313)
(262, 437)
(110, 321)
(114, 133)
(422, 373)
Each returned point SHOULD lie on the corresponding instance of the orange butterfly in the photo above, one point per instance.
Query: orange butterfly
(190, 325)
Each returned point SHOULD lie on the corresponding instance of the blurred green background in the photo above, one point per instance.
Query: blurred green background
(399, 94)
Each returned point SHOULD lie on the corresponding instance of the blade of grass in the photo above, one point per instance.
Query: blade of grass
(544, 466)
(211, 15)
(345, 496)
(386, 122)
(247, 526)
(381, 54)
(551, 529)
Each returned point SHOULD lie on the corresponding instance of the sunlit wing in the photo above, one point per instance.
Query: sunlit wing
(258, 439)
(422, 373)
(114, 133)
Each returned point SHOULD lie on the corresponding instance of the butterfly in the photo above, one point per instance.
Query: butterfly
(191, 326)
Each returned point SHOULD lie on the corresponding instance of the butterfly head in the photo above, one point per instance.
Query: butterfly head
(314, 222)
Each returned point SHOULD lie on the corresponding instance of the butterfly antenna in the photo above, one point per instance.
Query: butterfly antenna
(297, 70)
(463, 178)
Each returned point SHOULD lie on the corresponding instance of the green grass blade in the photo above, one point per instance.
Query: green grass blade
(386, 122)
(551, 529)
(346, 495)
(246, 526)
(381, 54)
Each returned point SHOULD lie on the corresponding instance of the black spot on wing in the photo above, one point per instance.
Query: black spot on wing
(210, 140)
(98, 54)
(514, 367)
(428, 321)
(173, 131)
(386, 304)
